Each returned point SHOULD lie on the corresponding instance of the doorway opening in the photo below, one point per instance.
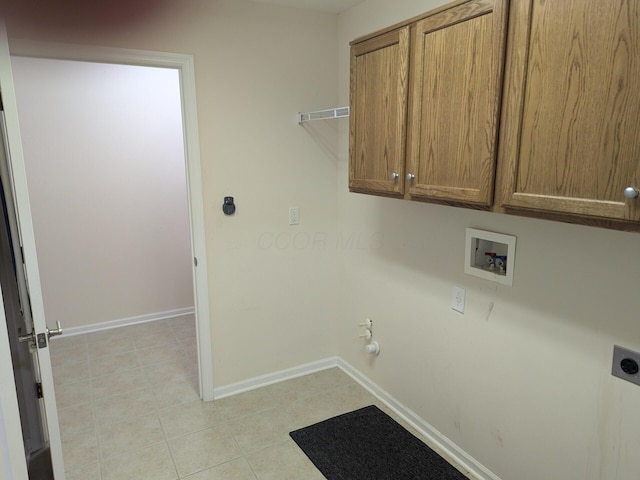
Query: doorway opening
(104, 156)
(183, 65)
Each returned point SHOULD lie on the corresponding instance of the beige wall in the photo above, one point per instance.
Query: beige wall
(521, 381)
(272, 303)
(104, 154)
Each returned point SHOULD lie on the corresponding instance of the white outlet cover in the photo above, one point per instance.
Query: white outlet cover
(294, 216)
(457, 299)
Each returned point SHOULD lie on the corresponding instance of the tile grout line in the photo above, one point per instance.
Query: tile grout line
(94, 413)
(162, 427)
(166, 442)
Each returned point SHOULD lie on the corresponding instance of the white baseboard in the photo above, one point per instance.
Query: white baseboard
(436, 439)
(275, 377)
(124, 322)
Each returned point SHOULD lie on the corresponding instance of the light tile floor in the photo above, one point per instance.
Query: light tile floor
(129, 408)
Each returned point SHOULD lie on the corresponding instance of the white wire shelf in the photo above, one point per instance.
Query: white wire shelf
(339, 112)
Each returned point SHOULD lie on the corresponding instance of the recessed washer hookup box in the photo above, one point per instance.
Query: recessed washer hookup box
(490, 255)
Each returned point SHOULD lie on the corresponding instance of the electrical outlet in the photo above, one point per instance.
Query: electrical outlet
(457, 299)
(294, 216)
(626, 364)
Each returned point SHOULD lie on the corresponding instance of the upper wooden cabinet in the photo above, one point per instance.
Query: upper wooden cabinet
(425, 100)
(570, 139)
(378, 106)
(567, 143)
(456, 83)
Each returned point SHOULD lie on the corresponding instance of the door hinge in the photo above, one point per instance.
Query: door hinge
(39, 389)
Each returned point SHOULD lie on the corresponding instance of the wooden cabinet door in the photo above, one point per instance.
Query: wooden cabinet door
(570, 140)
(457, 63)
(378, 101)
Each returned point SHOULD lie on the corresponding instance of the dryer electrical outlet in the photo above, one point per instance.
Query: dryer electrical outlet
(626, 364)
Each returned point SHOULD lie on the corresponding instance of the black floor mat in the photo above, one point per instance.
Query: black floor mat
(367, 444)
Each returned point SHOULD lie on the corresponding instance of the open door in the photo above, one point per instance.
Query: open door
(17, 318)
(23, 300)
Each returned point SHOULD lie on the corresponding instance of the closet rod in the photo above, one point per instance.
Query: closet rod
(339, 112)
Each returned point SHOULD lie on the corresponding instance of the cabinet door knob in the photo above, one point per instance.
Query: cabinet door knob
(394, 176)
(410, 176)
(631, 192)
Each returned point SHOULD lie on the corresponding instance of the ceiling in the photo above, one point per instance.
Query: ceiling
(329, 6)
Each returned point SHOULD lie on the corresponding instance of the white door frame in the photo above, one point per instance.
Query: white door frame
(185, 66)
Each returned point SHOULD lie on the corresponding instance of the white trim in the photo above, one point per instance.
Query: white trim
(275, 377)
(125, 322)
(437, 440)
(185, 65)
(89, 53)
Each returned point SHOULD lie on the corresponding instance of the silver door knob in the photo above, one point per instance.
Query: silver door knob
(631, 192)
(56, 331)
(394, 176)
(410, 176)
